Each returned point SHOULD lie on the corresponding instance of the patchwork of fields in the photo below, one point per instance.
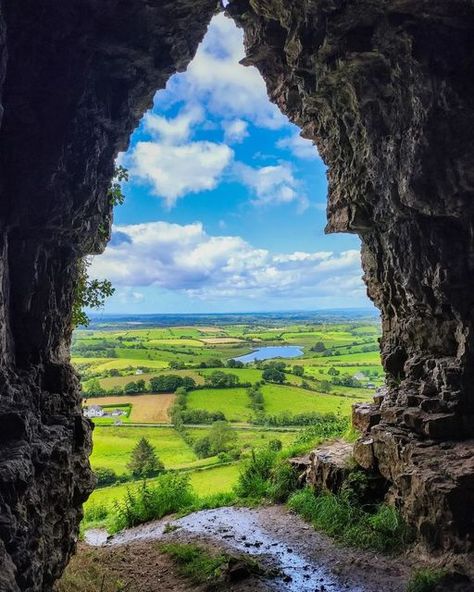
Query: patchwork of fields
(340, 365)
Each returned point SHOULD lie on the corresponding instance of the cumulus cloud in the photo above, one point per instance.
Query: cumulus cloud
(174, 130)
(216, 78)
(235, 130)
(173, 171)
(274, 184)
(185, 258)
(299, 147)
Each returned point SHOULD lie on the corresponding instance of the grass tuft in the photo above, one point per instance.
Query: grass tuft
(383, 530)
(425, 580)
(196, 562)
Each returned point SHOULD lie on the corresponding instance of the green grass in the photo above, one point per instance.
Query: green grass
(216, 480)
(195, 562)
(233, 402)
(281, 399)
(425, 580)
(347, 522)
(113, 446)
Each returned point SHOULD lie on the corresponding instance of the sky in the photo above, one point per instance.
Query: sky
(226, 204)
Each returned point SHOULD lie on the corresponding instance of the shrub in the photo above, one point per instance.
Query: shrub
(202, 447)
(95, 513)
(275, 445)
(169, 493)
(105, 476)
(254, 478)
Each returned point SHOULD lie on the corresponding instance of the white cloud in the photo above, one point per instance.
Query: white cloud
(176, 130)
(299, 147)
(186, 259)
(235, 131)
(215, 78)
(274, 184)
(174, 171)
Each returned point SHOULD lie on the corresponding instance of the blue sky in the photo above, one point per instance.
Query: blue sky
(225, 207)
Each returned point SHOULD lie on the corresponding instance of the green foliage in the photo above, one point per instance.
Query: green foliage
(88, 293)
(144, 462)
(202, 447)
(221, 437)
(169, 383)
(425, 580)
(273, 375)
(219, 379)
(335, 515)
(105, 476)
(254, 478)
(115, 194)
(257, 402)
(170, 492)
(298, 370)
(319, 347)
(275, 445)
(196, 562)
(283, 481)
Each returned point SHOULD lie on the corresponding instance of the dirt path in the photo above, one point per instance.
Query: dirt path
(306, 560)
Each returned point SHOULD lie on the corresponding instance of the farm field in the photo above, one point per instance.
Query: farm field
(113, 447)
(339, 366)
(281, 399)
(233, 402)
(151, 408)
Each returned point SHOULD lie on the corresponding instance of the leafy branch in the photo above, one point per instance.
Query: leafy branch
(92, 293)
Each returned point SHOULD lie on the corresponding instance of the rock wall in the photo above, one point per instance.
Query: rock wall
(386, 90)
(75, 78)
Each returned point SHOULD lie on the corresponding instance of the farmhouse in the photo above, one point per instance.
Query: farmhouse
(94, 411)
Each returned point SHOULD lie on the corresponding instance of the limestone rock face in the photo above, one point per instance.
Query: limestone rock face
(75, 77)
(386, 91)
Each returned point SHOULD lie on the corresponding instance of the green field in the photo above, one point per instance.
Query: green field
(281, 399)
(113, 446)
(233, 402)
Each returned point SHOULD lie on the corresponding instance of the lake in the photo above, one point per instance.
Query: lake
(268, 353)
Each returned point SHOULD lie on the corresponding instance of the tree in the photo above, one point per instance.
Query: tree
(221, 437)
(273, 375)
(219, 379)
(298, 370)
(325, 386)
(333, 372)
(318, 347)
(130, 388)
(93, 387)
(202, 447)
(144, 461)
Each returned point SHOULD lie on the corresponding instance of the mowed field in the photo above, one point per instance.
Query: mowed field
(283, 399)
(152, 408)
(113, 446)
(233, 402)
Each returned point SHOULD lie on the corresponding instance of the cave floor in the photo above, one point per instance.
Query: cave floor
(302, 559)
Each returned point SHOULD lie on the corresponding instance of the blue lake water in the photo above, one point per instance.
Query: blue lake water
(268, 353)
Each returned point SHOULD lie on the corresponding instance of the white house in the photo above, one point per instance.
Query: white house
(93, 411)
(360, 376)
(138, 371)
(117, 412)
